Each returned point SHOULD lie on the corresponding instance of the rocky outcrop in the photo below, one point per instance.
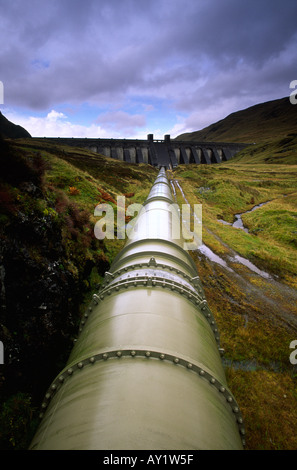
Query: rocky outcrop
(8, 130)
(44, 274)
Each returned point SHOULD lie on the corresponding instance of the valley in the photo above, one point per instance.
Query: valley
(51, 262)
(249, 279)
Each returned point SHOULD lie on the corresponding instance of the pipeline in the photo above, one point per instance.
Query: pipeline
(146, 369)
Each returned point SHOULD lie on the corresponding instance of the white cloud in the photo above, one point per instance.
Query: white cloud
(55, 124)
(180, 127)
(157, 51)
(54, 115)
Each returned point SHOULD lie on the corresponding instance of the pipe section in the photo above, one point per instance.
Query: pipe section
(146, 369)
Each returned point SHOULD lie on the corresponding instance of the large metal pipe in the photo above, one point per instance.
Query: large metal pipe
(146, 370)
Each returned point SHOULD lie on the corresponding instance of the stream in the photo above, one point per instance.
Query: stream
(238, 220)
(208, 253)
(205, 250)
(271, 298)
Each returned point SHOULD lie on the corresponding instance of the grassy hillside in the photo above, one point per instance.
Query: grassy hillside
(51, 262)
(255, 305)
(231, 188)
(276, 151)
(256, 124)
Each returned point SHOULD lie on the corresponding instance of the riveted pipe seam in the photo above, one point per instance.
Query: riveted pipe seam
(135, 244)
(197, 368)
(154, 281)
(183, 268)
(158, 272)
(156, 198)
(161, 180)
(151, 264)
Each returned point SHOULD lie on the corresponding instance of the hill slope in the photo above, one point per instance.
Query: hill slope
(50, 263)
(9, 130)
(260, 123)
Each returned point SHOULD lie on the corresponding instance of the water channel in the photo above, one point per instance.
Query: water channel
(238, 223)
(208, 253)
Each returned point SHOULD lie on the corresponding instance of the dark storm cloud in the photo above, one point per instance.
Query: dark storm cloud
(191, 52)
(233, 29)
(90, 47)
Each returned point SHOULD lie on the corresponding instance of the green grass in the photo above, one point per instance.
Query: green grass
(54, 190)
(263, 122)
(227, 189)
(256, 344)
(267, 398)
(277, 151)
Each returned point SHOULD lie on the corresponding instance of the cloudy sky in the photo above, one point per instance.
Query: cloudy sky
(128, 68)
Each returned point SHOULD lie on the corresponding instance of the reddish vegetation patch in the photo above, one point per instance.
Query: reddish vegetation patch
(105, 196)
(7, 205)
(73, 190)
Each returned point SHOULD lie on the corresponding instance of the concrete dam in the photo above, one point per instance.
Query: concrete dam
(166, 153)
